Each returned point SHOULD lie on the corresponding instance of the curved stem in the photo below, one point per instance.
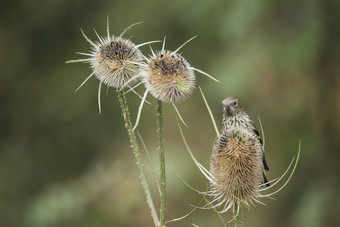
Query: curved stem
(162, 161)
(135, 149)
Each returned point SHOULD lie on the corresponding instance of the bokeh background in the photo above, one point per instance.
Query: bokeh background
(63, 164)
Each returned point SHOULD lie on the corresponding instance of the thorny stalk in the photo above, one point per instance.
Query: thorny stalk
(135, 149)
(162, 162)
(237, 217)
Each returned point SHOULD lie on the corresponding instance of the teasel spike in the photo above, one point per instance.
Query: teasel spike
(180, 47)
(99, 90)
(100, 39)
(107, 27)
(84, 81)
(146, 43)
(140, 109)
(128, 28)
(179, 115)
(163, 46)
(136, 93)
(88, 39)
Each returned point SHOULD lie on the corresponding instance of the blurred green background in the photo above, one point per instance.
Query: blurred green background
(63, 164)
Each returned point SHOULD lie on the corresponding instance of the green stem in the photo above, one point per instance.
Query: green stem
(135, 149)
(162, 162)
(237, 217)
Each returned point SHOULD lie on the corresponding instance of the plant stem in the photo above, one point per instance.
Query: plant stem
(237, 216)
(135, 149)
(162, 162)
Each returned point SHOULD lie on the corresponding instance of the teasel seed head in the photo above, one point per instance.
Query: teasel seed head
(168, 76)
(114, 61)
(236, 167)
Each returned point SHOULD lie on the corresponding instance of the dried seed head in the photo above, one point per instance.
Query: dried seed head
(236, 165)
(169, 77)
(115, 61)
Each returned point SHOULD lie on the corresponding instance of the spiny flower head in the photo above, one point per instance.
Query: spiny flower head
(236, 167)
(168, 77)
(114, 59)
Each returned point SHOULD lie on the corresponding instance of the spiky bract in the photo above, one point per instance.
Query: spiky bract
(236, 165)
(115, 61)
(169, 77)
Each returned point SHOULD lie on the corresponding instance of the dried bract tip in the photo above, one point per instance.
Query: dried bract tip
(169, 77)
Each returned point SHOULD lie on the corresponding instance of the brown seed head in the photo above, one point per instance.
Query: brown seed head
(236, 166)
(114, 61)
(169, 77)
